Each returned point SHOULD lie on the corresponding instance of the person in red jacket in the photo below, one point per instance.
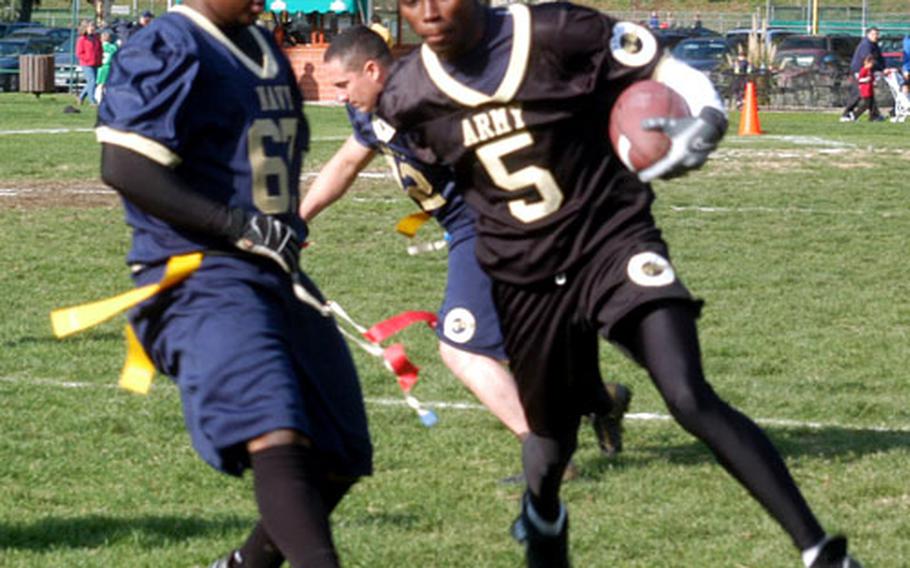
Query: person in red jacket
(866, 81)
(89, 53)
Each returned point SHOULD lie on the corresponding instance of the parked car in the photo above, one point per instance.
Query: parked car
(893, 59)
(740, 37)
(56, 35)
(10, 50)
(892, 51)
(810, 77)
(791, 63)
(7, 28)
(703, 53)
(891, 43)
(67, 74)
(843, 45)
(669, 37)
(702, 31)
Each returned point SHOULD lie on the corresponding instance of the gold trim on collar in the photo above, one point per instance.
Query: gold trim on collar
(511, 81)
(269, 67)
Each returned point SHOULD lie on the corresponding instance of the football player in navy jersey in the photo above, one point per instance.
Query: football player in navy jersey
(470, 342)
(203, 135)
(517, 101)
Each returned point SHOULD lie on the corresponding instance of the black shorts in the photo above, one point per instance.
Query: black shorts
(551, 329)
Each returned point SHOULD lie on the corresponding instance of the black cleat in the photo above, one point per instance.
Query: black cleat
(541, 550)
(608, 427)
(834, 555)
(229, 560)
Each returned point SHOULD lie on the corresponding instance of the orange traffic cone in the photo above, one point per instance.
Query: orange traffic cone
(748, 120)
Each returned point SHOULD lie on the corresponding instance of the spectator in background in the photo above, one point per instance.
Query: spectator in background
(696, 24)
(868, 46)
(108, 49)
(741, 70)
(146, 19)
(282, 22)
(384, 33)
(88, 53)
(866, 82)
(905, 65)
(654, 20)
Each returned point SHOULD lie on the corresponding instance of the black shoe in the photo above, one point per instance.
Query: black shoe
(834, 555)
(608, 427)
(541, 550)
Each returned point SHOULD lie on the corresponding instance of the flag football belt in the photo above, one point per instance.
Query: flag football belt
(139, 371)
(409, 225)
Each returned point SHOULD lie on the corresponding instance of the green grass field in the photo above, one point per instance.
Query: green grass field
(795, 239)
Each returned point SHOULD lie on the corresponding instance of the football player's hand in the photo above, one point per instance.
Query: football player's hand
(267, 236)
(691, 140)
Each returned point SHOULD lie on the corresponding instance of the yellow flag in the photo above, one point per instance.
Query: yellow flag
(67, 321)
(138, 370)
(409, 224)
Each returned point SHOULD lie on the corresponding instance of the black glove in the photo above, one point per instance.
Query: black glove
(266, 236)
(691, 140)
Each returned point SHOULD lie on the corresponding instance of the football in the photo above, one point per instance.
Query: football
(636, 147)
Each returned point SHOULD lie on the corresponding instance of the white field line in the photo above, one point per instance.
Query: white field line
(784, 210)
(806, 140)
(16, 192)
(20, 192)
(45, 131)
(69, 130)
(471, 406)
(365, 175)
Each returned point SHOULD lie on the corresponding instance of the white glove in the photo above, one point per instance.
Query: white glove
(691, 140)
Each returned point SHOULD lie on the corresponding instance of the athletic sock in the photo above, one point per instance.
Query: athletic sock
(546, 528)
(292, 509)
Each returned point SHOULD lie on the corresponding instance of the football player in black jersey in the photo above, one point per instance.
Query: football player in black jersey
(470, 341)
(517, 101)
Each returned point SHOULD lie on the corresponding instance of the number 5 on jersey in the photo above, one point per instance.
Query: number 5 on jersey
(491, 156)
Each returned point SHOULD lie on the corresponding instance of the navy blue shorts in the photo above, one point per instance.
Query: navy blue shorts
(468, 319)
(249, 358)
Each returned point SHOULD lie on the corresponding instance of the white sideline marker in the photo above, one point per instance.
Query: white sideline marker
(69, 130)
(473, 406)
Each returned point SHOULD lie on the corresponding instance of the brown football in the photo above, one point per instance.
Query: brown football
(636, 147)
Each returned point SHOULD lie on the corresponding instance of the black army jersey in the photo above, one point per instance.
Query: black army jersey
(523, 119)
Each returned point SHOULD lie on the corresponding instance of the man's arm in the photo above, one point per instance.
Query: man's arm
(335, 178)
(159, 191)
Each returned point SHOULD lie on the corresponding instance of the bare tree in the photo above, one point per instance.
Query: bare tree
(25, 9)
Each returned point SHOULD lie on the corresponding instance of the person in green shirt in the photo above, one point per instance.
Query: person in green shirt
(108, 49)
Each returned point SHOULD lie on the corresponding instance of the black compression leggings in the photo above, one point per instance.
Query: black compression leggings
(664, 340)
(295, 506)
